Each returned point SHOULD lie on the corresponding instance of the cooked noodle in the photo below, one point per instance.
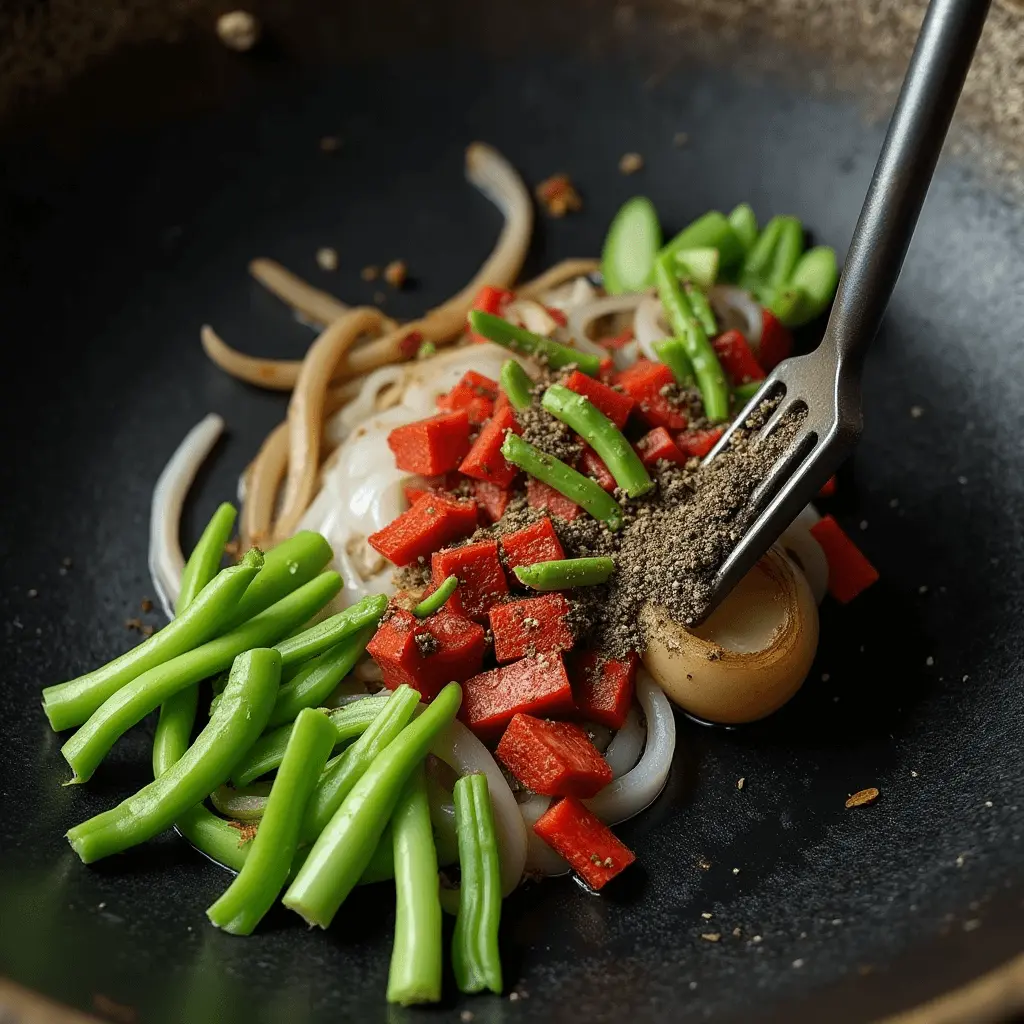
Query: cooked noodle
(309, 302)
(557, 275)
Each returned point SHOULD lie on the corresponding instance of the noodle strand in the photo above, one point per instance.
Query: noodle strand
(311, 303)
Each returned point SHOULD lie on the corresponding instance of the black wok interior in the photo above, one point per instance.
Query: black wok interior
(133, 202)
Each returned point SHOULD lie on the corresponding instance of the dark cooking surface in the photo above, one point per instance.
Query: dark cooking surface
(860, 912)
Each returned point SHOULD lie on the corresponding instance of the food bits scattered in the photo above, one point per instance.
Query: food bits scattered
(327, 258)
(630, 163)
(32, 592)
(238, 30)
(711, 936)
(139, 626)
(862, 798)
(558, 195)
(740, 783)
(370, 273)
(396, 273)
(916, 412)
(146, 605)
(246, 830)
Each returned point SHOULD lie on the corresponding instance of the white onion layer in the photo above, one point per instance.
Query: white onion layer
(738, 310)
(624, 750)
(541, 859)
(649, 325)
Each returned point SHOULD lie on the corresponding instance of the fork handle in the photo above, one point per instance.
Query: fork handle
(928, 97)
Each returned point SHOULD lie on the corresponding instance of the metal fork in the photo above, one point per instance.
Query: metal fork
(827, 382)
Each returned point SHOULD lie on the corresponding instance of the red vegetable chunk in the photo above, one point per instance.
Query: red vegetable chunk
(492, 499)
(537, 542)
(433, 445)
(697, 443)
(416, 487)
(658, 445)
(776, 342)
(644, 382)
(485, 461)
(475, 393)
(433, 521)
(491, 300)
(534, 625)
(540, 495)
(482, 580)
(590, 847)
(829, 488)
(736, 358)
(614, 404)
(604, 687)
(849, 572)
(592, 465)
(553, 758)
(534, 686)
(427, 654)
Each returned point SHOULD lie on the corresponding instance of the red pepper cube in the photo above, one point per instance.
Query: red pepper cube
(492, 499)
(736, 358)
(540, 495)
(475, 393)
(482, 580)
(534, 686)
(557, 315)
(491, 300)
(776, 342)
(604, 687)
(644, 382)
(537, 542)
(849, 572)
(590, 847)
(535, 625)
(553, 758)
(416, 487)
(433, 521)
(828, 489)
(695, 444)
(433, 445)
(427, 654)
(592, 465)
(658, 445)
(485, 461)
(617, 341)
(614, 404)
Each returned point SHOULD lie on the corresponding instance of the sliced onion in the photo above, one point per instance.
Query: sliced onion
(567, 296)
(624, 749)
(166, 562)
(737, 310)
(582, 317)
(532, 315)
(540, 858)
(639, 788)
(805, 552)
(649, 325)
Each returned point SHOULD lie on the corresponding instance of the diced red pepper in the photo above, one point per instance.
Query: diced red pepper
(537, 542)
(475, 393)
(553, 758)
(409, 346)
(590, 847)
(617, 341)
(695, 444)
(604, 687)
(592, 465)
(776, 342)
(533, 686)
(501, 403)
(491, 300)
(450, 648)
(657, 445)
(418, 486)
(540, 495)
(614, 404)
(492, 499)
(557, 315)
(534, 625)
(433, 521)
(485, 461)
(433, 445)
(644, 382)
(736, 358)
(849, 572)
(829, 488)
(606, 370)
(482, 580)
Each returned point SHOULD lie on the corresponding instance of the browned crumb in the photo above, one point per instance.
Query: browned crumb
(862, 798)
(737, 931)
(558, 195)
(238, 30)
(370, 273)
(146, 604)
(330, 144)
(740, 783)
(680, 139)
(246, 830)
(233, 548)
(327, 258)
(711, 936)
(135, 624)
(396, 273)
(704, 864)
(630, 163)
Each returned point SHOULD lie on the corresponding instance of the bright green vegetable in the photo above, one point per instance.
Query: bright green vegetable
(87, 747)
(324, 635)
(415, 973)
(701, 308)
(254, 889)
(426, 350)
(672, 352)
(712, 231)
(214, 837)
(743, 221)
(516, 384)
(577, 412)
(475, 957)
(565, 573)
(346, 845)
(71, 703)
(787, 252)
(815, 278)
(706, 368)
(698, 265)
(633, 241)
(785, 304)
(557, 356)
(743, 393)
(244, 804)
(239, 719)
(436, 601)
(758, 263)
(344, 771)
(564, 479)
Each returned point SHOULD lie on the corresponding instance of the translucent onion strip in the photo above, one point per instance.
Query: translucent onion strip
(649, 325)
(319, 306)
(166, 561)
(581, 317)
(624, 750)
(540, 858)
(737, 310)
(555, 276)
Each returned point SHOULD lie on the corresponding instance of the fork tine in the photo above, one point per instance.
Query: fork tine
(784, 466)
(772, 385)
(789, 405)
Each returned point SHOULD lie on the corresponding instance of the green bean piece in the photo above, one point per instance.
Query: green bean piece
(698, 265)
(579, 413)
(87, 747)
(324, 635)
(256, 886)
(706, 367)
(816, 277)
(381, 867)
(475, 957)
(344, 771)
(712, 231)
(345, 847)
(743, 393)
(564, 479)
(632, 242)
(266, 753)
(516, 384)
(701, 308)
(71, 703)
(290, 565)
(175, 724)
(241, 716)
(566, 573)
(785, 304)
(786, 253)
(743, 221)
(518, 339)
(437, 600)
(415, 972)
(672, 352)
(758, 263)
(215, 837)
(244, 804)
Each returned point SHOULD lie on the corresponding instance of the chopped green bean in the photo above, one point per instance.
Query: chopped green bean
(672, 352)
(566, 573)
(324, 635)
(758, 263)
(345, 847)
(632, 242)
(475, 956)
(698, 265)
(785, 304)
(436, 601)
(239, 719)
(711, 231)
(244, 804)
(557, 356)
(254, 889)
(743, 221)
(579, 413)
(815, 277)
(743, 393)
(786, 253)
(701, 308)
(516, 384)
